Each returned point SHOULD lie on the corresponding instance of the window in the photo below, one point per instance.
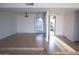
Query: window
(39, 25)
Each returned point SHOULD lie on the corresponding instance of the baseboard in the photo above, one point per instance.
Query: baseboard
(7, 36)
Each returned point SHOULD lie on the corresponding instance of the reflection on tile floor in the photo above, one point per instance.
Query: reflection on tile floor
(52, 45)
(62, 45)
(24, 40)
(22, 43)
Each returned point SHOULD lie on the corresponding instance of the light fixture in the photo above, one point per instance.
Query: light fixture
(26, 15)
(29, 4)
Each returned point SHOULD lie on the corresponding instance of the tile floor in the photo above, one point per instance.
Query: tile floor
(33, 44)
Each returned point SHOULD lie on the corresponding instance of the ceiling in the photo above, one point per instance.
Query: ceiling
(38, 7)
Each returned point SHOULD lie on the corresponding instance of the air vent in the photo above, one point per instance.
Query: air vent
(29, 4)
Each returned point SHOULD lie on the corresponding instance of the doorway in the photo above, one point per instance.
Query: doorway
(52, 25)
(52, 47)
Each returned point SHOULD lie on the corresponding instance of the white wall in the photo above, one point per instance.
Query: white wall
(65, 23)
(69, 25)
(59, 25)
(76, 26)
(47, 26)
(26, 24)
(11, 23)
(7, 24)
(59, 22)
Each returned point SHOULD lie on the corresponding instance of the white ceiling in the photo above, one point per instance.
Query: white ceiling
(38, 7)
